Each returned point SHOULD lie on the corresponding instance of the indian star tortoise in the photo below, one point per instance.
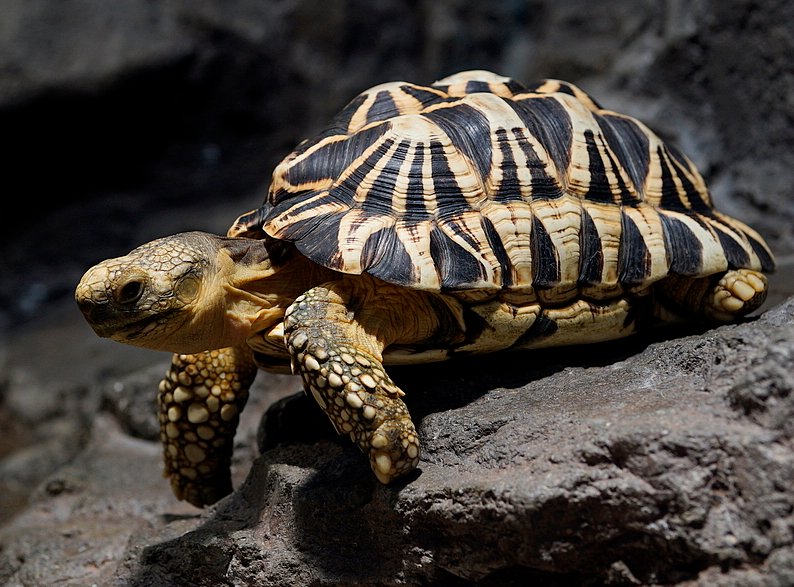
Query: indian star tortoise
(423, 223)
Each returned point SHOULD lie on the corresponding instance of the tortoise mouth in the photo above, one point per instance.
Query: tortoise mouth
(108, 322)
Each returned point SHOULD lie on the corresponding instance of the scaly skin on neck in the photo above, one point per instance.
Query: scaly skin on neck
(255, 298)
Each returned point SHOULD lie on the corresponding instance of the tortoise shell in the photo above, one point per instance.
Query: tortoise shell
(478, 182)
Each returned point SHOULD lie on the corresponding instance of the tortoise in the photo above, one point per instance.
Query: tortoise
(473, 215)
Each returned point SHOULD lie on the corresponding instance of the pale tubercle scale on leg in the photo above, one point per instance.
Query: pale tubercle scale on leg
(200, 400)
(352, 387)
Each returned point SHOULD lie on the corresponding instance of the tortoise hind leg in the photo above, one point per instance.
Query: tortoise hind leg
(200, 401)
(724, 297)
(337, 350)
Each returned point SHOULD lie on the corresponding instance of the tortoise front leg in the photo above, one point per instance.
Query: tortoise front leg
(337, 349)
(200, 401)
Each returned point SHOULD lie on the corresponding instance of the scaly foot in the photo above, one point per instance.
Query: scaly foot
(200, 401)
(353, 389)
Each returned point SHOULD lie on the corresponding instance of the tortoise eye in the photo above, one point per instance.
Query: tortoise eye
(129, 293)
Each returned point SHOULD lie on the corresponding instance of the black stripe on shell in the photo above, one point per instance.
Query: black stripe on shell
(384, 256)
(767, 262)
(564, 88)
(599, 189)
(548, 121)
(626, 198)
(424, 96)
(345, 191)
(634, 258)
(415, 209)
(683, 248)
(509, 187)
(448, 195)
(542, 327)
(330, 160)
(735, 253)
(382, 108)
(671, 198)
(515, 87)
(457, 225)
(543, 185)
(477, 86)
(676, 153)
(629, 144)
(695, 198)
(456, 267)
(498, 249)
(380, 194)
(280, 195)
(545, 264)
(591, 257)
(317, 238)
(469, 131)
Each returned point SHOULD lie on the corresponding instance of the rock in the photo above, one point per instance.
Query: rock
(664, 459)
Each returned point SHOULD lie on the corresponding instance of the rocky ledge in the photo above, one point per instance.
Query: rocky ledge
(664, 460)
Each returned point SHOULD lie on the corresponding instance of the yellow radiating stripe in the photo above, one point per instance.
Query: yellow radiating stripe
(652, 187)
(428, 189)
(614, 170)
(576, 180)
(400, 194)
(513, 223)
(368, 181)
(416, 239)
(359, 118)
(354, 230)
(318, 204)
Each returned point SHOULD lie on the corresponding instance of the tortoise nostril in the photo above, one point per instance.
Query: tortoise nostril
(129, 293)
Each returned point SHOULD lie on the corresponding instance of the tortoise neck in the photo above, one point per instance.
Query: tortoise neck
(256, 303)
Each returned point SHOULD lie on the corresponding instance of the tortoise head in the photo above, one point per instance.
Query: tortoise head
(185, 293)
